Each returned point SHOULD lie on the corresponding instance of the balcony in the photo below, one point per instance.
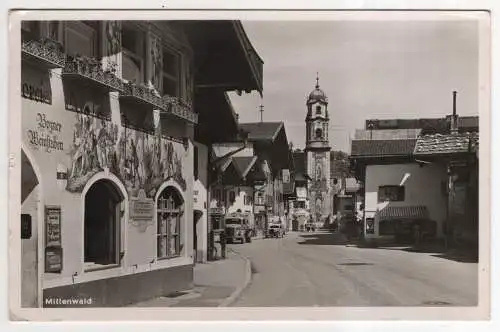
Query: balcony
(90, 71)
(140, 94)
(46, 52)
(179, 108)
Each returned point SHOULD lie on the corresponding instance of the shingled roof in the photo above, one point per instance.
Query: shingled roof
(447, 143)
(392, 147)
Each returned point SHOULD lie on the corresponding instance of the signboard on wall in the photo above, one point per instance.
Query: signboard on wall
(141, 207)
(52, 226)
(53, 259)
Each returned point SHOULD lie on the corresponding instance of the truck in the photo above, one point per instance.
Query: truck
(238, 228)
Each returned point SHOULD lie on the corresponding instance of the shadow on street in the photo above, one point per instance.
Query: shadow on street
(465, 255)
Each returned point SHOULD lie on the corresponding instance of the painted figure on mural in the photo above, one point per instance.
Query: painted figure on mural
(156, 63)
(113, 37)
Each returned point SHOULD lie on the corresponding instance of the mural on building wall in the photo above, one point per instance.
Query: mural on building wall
(320, 192)
(113, 37)
(156, 62)
(140, 160)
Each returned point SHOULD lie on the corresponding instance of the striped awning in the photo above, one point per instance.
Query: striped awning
(404, 212)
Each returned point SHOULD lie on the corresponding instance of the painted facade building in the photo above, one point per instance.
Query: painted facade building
(108, 155)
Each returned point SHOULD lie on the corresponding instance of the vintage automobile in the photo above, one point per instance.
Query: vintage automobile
(275, 230)
(310, 226)
(238, 229)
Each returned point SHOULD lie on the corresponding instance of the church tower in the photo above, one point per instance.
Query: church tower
(318, 154)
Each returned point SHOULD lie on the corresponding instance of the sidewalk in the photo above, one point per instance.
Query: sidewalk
(216, 284)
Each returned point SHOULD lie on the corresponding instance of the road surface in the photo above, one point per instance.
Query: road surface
(318, 269)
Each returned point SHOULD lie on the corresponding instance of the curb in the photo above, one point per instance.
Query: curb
(248, 277)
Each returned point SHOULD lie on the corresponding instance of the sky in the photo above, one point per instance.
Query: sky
(368, 69)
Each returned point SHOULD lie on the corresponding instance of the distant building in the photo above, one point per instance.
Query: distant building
(420, 170)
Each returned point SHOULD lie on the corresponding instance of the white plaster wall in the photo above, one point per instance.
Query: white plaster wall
(422, 187)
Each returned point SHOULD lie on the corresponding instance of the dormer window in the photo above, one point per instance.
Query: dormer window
(171, 73)
(133, 55)
(318, 109)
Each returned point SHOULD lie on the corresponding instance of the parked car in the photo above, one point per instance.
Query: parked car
(275, 230)
(238, 229)
(310, 227)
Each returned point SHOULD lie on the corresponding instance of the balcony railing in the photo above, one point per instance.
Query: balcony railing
(46, 51)
(142, 94)
(178, 107)
(91, 69)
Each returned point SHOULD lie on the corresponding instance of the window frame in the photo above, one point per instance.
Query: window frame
(173, 213)
(178, 75)
(140, 58)
(383, 196)
(78, 27)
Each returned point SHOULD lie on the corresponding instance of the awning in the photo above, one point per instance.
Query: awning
(404, 212)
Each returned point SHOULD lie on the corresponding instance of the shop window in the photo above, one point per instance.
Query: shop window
(391, 193)
(170, 211)
(102, 224)
(80, 39)
(171, 71)
(132, 55)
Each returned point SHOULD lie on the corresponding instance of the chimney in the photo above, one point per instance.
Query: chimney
(454, 117)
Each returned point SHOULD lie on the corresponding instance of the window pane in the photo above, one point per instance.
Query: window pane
(170, 63)
(79, 39)
(172, 246)
(170, 87)
(131, 68)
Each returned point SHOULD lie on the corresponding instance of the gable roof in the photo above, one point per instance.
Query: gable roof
(244, 164)
(392, 147)
(259, 131)
(447, 143)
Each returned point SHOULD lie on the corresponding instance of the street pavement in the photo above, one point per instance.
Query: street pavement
(216, 283)
(321, 269)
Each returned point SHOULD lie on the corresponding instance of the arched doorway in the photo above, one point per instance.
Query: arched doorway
(170, 210)
(102, 224)
(31, 206)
